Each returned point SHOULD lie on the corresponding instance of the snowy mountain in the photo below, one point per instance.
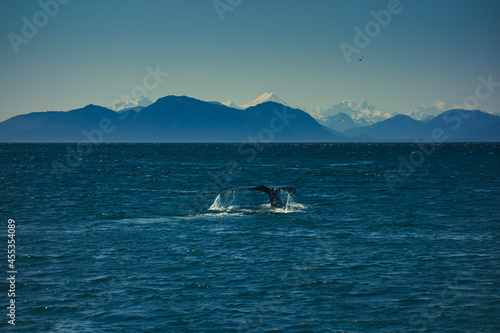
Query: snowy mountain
(132, 103)
(265, 97)
(185, 119)
(314, 112)
(169, 119)
(339, 122)
(428, 111)
(361, 112)
(231, 105)
(456, 125)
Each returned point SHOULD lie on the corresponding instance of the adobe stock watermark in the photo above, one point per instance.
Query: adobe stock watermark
(453, 120)
(11, 271)
(74, 157)
(373, 28)
(31, 26)
(483, 91)
(223, 6)
(150, 82)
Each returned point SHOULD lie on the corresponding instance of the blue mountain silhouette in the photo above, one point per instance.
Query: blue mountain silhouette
(169, 119)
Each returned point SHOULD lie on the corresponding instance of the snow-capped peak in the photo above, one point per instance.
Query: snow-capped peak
(440, 105)
(231, 105)
(361, 112)
(356, 105)
(426, 111)
(265, 97)
(132, 103)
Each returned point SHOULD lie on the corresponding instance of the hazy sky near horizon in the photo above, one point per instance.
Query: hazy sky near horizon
(93, 52)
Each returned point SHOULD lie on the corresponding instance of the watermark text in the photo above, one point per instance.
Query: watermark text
(11, 272)
(31, 27)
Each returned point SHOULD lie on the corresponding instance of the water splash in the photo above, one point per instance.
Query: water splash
(217, 204)
(229, 202)
(293, 207)
(289, 203)
(224, 201)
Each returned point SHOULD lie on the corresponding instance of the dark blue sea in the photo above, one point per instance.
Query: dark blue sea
(380, 237)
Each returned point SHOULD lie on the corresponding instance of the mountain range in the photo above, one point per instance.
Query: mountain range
(185, 119)
(424, 112)
(265, 97)
(169, 119)
(134, 103)
(361, 112)
(456, 125)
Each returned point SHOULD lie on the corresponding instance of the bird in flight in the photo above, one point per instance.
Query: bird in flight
(360, 58)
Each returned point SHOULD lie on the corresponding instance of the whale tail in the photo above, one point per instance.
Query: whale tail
(272, 192)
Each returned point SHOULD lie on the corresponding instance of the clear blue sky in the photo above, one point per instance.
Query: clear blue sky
(94, 51)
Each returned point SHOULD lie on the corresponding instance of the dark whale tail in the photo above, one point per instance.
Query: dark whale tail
(272, 192)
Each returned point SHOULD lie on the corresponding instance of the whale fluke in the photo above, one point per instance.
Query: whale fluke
(273, 193)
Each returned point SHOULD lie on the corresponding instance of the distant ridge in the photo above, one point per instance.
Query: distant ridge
(265, 97)
(455, 125)
(232, 105)
(361, 112)
(399, 127)
(340, 122)
(133, 103)
(169, 119)
(425, 112)
(186, 119)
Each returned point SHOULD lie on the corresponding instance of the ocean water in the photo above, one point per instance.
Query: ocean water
(377, 238)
